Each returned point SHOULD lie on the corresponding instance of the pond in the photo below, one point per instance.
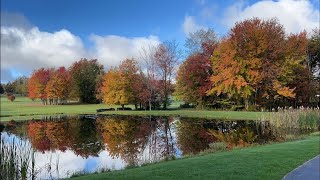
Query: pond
(69, 144)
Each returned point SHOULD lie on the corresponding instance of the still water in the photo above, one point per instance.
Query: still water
(69, 144)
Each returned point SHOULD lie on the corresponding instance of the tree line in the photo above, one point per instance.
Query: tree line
(256, 65)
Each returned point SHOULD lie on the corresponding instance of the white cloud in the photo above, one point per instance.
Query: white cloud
(25, 48)
(190, 25)
(111, 50)
(294, 15)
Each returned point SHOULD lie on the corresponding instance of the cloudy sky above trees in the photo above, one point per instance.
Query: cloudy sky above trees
(56, 33)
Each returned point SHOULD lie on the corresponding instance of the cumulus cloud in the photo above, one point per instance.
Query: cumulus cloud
(31, 48)
(190, 25)
(25, 47)
(111, 49)
(295, 15)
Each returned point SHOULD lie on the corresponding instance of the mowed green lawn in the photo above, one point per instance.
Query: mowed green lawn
(271, 161)
(24, 108)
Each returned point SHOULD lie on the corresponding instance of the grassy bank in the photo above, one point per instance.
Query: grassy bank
(271, 161)
(23, 108)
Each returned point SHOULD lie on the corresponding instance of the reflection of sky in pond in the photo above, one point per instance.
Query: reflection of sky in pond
(68, 162)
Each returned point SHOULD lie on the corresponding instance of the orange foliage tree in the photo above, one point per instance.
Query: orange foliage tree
(118, 84)
(37, 84)
(248, 64)
(57, 88)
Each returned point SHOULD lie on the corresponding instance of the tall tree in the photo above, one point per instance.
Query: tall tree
(193, 76)
(296, 71)
(193, 79)
(148, 57)
(248, 63)
(85, 75)
(166, 59)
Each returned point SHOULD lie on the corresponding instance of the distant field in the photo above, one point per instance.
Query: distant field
(23, 108)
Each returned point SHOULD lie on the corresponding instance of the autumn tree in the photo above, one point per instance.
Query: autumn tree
(119, 83)
(166, 59)
(84, 77)
(58, 88)
(296, 71)
(248, 62)
(37, 84)
(142, 93)
(193, 79)
(193, 76)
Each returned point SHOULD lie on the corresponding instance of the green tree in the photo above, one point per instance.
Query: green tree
(84, 77)
(9, 87)
(21, 85)
(1, 89)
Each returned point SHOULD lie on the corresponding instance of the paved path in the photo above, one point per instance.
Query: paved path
(307, 171)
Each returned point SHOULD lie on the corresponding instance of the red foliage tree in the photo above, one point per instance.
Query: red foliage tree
(37, 84)
(193, 79)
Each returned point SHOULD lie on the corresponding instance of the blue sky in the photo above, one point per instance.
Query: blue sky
(51, 33)
(122, 17)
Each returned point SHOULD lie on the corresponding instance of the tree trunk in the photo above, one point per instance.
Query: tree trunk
(246, 104)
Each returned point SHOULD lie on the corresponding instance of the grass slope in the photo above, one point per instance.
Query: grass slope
(261, 162)
(24, 108)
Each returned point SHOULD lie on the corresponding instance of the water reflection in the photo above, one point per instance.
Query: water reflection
(115, 142)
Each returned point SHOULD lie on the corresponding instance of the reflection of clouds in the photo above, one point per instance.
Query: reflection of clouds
(69, 163)
(106, 161)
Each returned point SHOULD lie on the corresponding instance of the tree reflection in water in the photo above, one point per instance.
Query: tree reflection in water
(133, 140)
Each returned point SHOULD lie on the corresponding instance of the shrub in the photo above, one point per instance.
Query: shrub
(11, 97)
(218, 146)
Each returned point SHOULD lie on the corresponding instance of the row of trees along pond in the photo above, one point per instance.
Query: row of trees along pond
(256, 65)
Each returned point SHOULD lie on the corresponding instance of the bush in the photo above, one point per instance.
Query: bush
(218, 146)
(11, 97)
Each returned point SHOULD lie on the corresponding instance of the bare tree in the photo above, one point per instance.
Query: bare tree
(149, 67)
(202, 42)
(166, 60)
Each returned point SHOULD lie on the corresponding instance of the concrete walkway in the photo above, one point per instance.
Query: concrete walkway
(310, 170)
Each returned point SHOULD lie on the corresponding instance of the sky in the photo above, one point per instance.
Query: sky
(53, 33)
